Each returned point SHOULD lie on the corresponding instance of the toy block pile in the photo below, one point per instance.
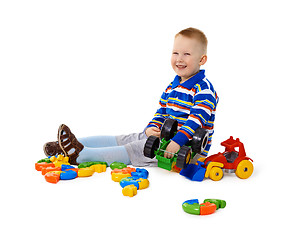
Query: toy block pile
(131, 179)
(58, 168)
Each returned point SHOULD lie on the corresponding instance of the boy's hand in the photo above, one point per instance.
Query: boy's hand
(152, 131)
(171, 148)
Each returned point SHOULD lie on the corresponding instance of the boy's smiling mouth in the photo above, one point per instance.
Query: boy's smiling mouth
(180, 66)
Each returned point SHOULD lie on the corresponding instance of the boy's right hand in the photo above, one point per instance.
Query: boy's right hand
(154, 131)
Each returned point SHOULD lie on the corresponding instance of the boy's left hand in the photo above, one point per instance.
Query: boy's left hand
(171, 148)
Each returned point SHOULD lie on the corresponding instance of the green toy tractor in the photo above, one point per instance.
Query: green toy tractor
(156, 147)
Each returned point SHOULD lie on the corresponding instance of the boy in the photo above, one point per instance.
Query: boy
(190, 99)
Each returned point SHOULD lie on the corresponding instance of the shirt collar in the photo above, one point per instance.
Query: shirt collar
(190, 82)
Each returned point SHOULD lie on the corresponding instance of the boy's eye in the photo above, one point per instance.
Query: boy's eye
(175, 53)
(187, 54)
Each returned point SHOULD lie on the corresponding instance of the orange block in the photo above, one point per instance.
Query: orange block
(52, 177)
(39, 166)
(50, 169)
(207, 208)
(126, 170)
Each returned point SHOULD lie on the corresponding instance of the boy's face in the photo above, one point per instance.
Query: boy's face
(187, 56)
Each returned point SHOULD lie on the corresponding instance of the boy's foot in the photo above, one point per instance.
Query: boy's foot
(69, 144)
(52, 148)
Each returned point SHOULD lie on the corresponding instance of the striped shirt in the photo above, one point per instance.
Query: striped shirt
(192, 103)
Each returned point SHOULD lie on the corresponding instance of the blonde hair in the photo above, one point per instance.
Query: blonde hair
(195, 33)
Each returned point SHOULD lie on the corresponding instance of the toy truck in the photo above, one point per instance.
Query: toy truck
(156, 147)
(231, 160)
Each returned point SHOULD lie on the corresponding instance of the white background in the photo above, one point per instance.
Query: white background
(100, 67)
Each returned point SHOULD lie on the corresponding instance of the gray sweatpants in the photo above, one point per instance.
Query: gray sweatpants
(134, 144)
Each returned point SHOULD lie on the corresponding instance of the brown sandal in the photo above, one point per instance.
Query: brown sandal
(69, 143)
(52, 149)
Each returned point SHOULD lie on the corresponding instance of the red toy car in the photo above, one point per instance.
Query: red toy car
(230, 160)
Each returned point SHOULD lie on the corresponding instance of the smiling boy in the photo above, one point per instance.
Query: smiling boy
(190, 99)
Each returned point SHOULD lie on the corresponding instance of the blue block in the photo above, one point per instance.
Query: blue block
(68, 175)
(129, 181)
(194, 172)
(140, 173)
(192, 201)
(65, 167)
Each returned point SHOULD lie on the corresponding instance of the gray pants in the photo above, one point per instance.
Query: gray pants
(134, 144)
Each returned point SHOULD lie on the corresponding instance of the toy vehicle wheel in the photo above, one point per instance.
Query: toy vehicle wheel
(183, 157)
(168, 129)
(216, 174)
(199, 140)
(244, 169)
(151, 145)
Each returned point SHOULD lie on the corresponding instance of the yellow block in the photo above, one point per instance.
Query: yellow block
(53, 159)
(66, 160)
(85, 172)
(58, 161)
(117, 177)
(99, 168)
(144, 183)
(130, 190)
(60, 157)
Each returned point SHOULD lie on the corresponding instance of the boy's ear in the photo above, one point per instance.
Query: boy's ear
(203, 60)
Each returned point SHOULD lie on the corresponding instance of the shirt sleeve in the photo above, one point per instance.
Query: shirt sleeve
(160, 114)
(205, 102)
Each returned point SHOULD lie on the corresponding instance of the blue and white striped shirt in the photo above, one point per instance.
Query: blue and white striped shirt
(192, 103)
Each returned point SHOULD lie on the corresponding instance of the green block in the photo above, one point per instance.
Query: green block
(191, 208)
(88, 164)
(219, 203)
(47, 160)
(117, 165)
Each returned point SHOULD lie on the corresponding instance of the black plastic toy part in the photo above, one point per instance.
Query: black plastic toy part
(199, 140)
(151, 145)
(183, 157)
(169, 129)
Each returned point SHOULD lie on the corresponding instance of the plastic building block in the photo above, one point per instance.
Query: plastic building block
(47, 160)
(143, 183)
(85, 172)
(118, 176)
(39, 166)
(117, 165)
(89, 164)
(68, 175)
(66, 166)
(52, 177)
(59, 160)
(99, 168)
(139, 183)
(219, 203)
(50, 169)
(191, 206)
(129, 181)
(129, 190)
(140, 173)
(208, 207)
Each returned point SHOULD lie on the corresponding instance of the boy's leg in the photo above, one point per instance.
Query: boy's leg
(127, 149)
(125, 139)
(99, 141)
(134, 144)
(106, 154)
